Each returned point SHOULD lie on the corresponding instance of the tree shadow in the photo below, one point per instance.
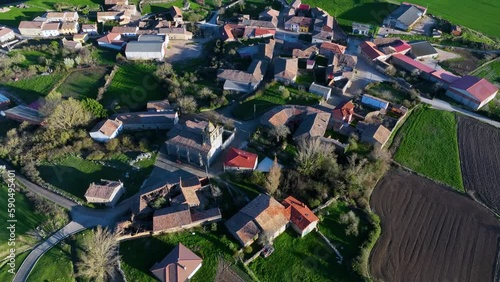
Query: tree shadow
(372, 13)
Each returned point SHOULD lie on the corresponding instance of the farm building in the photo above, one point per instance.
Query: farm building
(320, 90)
(111, 40)
(30, 28)
(405, 16)
(23, 113)
(373, 134)
(411, 65)
(444, 77)
(312, 125)
(302, 219)
(285, 70)
(369, 52)
(147, 47)
(422, 50)
(472, 91)
(106, 130)
(243, 81)
(374, 102)
(361, 29)
(137, 121)
(106, 192)
(178, 216)
(4, 101)
(240, 160)
(158, 106)
(262, 215)
(6, 34)
(390, 46)
(178, 266)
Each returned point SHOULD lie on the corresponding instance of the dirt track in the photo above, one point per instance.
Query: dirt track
(480, 160)
(430, 233)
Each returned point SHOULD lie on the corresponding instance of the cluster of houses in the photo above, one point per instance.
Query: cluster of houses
(473, 92)
(51, 24)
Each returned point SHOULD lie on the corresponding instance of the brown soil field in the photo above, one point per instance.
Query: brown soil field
(480, 160)
(430, 233)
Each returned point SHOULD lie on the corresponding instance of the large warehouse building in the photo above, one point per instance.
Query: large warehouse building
(147, 47)
(472, 91)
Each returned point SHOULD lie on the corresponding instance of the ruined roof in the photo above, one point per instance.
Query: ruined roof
(103, 190)
(107, 127)
(240, 158)
(170, 217)
(177, 266)
(286, 68)
(299, 213)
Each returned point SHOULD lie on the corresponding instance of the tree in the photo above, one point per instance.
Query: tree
(52, 100)
(280, 131)
(95, 108)
(273, 178)
(68, 114)
(217, 3)
(69, 63)
(285, 93)
(187, 104)
(164, 71)
(311, 155)
(352, 221)
(101, 256)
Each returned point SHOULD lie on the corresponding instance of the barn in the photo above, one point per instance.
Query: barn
(472, 91)
(147, 47)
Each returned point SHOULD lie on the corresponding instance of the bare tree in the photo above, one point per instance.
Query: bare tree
(187, 104)
(280, 131)
(68, 114)
(51, 101)
(273, 178)
(101, 256)
(311, 154)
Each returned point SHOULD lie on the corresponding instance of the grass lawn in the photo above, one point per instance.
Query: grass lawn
(271, 98)
(74, 174)
(83, 83)
(30, 89)
(132, 87)
(4, 268)
(490, 71)
(387, 91)
(139, 255)
(55, 265)
(428, 145)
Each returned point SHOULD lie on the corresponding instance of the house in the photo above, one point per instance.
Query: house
(373, 134)
(392, 45)
(175, 216)
(472, 91)
(72, 45)
(285, 70)
(198, 142)
(62, 17)
(263, 216)
(342, 115)
(325, 24)
(50, 29)
(226, 33)
(105, 192)
(329, 49)
(374, 102)
(6, 34)
(91, 29)
(256, 32)
(341, 71)
(361, 29)
(111, 40)
(81, 37)
(405, 16)
(4, 101)
(24, 114)
(307, 53)
(176, 14)
(272, 24)
(147, 47)
(269, 14)
(30, 28)
(158, 106)
(240, 160)
(369, 52)
(137, 121)
(106, 130)
(312, 125)
(243, 81)
(190, 188)
(445, 78)
(422, 50)
(69, 28)
(302, 219)
(176, 33)
(412, 65)
(298, 24)
(178, 266)
(129, 31)
(122, 17)
(320, 90)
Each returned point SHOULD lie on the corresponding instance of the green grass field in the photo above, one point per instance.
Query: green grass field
(74, 174)
(83, 83)
(54, 265)
(132, 87)
(30, 89)
(139, 255)
(429, 146)
(4, 268)
(271, 98)
(490, 71)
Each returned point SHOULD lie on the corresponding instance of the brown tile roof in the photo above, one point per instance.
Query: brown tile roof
(124, 29)
(333, 47)
(267, 213)
(478, 87)
(115, 2)
(51, 26)
(175, 11)
(107, 127)
(110, 38)
(302, 21)
(300, 214)
(286, 68)
(177, 266)
(102, 190)
(170, 217)
(89, 26)
(270, 13)
(69, 25)
(381, 134)
(281, 115)
(189, 192)
(313, 125)
(305, 53)
(242, 227)
(240, 158)
(344, 112)
(158, 105)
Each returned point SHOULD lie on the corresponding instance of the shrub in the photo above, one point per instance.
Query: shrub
(247, 249)
(96, 156)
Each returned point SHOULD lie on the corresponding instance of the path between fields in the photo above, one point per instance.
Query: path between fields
(442, 105)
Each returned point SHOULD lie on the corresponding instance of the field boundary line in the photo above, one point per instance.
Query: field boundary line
(483, 65)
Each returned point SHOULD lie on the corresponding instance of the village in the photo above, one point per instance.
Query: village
(229, 168)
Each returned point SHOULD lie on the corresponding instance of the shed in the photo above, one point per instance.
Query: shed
(320, 90)
(374, 102)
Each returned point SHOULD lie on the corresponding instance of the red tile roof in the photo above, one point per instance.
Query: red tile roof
(344, 112)
(299, 213)
(445, 76)
(401, 46)
(240, 158)
(336, 48)
(264, 31)
(480, 88)
(370, 49)
(414, 63)
(304, 7)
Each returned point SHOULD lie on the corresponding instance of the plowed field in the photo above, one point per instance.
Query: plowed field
(480, 160)
(430, 233)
